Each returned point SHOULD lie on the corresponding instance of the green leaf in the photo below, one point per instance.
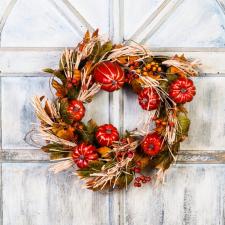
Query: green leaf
(73, 93)
(64, 113)
(95, 52)
(60, 74)
(55, 147)
(48, 70)
(87, 134)
(106, 47)
(184, 123)
(94, 167)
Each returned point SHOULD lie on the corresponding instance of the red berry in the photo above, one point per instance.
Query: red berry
(171, 124)
(74, 81)
(137, 170)
(107, 134)
(138, 179)
(137, 184)
(130, 154)
(110, 75)
(154, 118)
(138, 163)
(69, 85)
(148, 178)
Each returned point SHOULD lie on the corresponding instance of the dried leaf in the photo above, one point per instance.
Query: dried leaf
(60, 92)
(95, 33)
(59, 155)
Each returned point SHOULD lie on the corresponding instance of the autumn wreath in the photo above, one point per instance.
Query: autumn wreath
(102, 157)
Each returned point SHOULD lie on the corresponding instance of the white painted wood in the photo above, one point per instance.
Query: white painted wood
(18, 113)
(136, 13)
(37, 23)
(207, 116)
(192, 24)
(19, 62)
(191, 195)
(29, 61)
(33, 196)
(100, 17)
(32, 32)
(206, 112)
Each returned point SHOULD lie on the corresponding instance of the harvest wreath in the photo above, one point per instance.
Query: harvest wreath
(104, 158)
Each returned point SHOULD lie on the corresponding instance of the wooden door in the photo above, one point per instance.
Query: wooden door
(33, 34)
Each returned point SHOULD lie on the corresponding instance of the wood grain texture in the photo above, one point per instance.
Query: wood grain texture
(133, 25)
(40, 18)
(200, 23)
(184, 156)
(34, 196)
(205, 111)
(191, 195)
(34, 33)
(31, 61)
(17, 111)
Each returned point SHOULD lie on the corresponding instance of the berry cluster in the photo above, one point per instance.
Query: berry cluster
(138, 181)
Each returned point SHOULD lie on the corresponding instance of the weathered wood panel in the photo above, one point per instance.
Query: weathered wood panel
(18, 113)
(200, 24)
(32, 33)
(206, 112)
(31, 61)
(33, 196)
(184, 156)
(42, 25)
(192, 194)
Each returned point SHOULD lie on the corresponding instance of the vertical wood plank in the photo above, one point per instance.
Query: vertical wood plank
(205, 111)
(33, 196)
(17, 111)
(192, 194)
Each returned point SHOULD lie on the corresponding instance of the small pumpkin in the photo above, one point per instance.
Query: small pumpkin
(182, 90)
(76, 110)
(148, 99)
(152, 144)
(84, 153)
(107, 134)
(110, 75)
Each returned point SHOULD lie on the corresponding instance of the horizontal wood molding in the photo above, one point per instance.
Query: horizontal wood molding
(184, 157)
(16, 61)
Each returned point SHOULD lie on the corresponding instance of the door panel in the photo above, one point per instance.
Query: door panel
(33, 195)
(32, 36)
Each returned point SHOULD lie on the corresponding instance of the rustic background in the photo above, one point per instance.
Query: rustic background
(32, 35)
